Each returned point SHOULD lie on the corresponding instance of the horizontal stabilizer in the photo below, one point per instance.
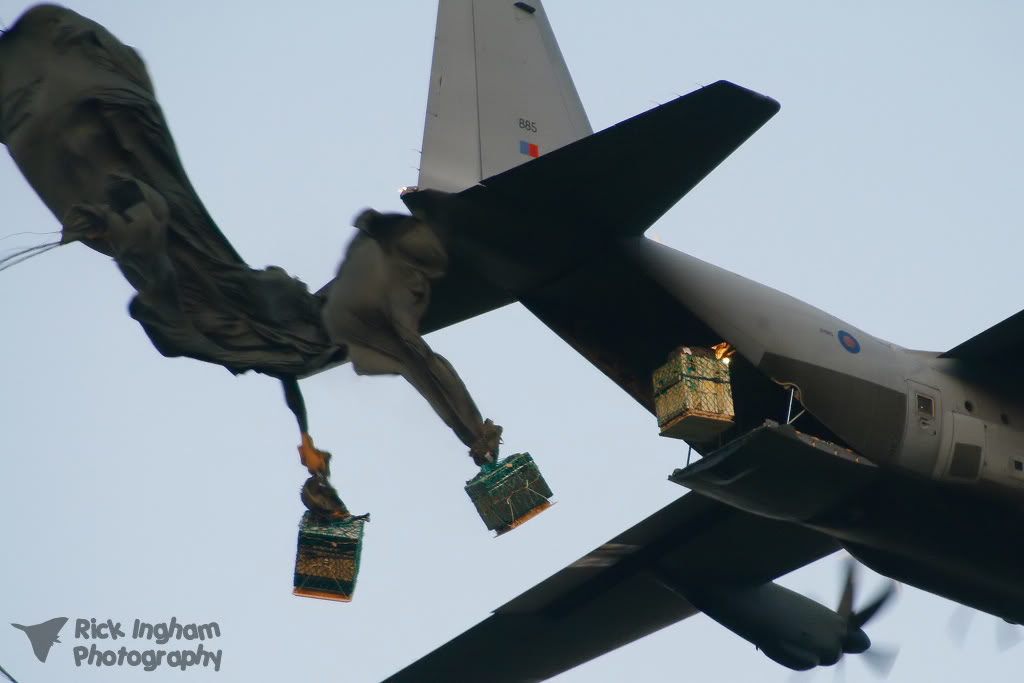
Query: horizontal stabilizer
(621, 180)
(536, 222)
(994, 344)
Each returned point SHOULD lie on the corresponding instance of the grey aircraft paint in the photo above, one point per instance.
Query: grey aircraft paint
(943, 431)
(930, 445)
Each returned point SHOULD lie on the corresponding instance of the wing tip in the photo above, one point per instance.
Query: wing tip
(769, 103)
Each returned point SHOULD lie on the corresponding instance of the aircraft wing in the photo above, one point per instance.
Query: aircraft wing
(612, 596)
(1005, 338)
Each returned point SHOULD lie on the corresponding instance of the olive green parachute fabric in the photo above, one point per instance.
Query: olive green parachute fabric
(79, 116)
(80, 119)
(374, 307)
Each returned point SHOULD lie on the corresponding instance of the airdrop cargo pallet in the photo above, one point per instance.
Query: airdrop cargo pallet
(327, 558)
(509, 492)
(693, 395)
(696, 425)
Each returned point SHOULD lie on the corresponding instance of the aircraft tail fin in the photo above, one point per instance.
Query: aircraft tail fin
(500, 93)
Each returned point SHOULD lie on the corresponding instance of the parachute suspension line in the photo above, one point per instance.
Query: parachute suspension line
(30, 232)
(25, 254)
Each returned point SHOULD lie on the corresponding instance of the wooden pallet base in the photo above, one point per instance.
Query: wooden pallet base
(696, 426)
(320, 594)
(525, 518)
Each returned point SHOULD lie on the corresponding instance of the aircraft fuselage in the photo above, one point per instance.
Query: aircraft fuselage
(946, 440)
(899, 408)
(942, 512)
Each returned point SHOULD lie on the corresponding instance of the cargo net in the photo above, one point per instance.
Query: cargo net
(327, 558)
(509, 492)
(693, 394)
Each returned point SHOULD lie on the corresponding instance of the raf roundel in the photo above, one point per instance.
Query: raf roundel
(849, 342)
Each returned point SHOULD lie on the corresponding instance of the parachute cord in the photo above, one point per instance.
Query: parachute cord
(30, 232)
(25, 254)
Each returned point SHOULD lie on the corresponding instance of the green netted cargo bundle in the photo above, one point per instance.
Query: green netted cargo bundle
(692, 395)
(509, 492)
(327, 560)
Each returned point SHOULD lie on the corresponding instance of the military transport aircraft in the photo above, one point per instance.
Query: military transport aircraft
(912, 461)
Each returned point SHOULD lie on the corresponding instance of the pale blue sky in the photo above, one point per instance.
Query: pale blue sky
(885, 192)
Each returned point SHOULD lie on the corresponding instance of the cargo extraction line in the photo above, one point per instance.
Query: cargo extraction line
(815, 434)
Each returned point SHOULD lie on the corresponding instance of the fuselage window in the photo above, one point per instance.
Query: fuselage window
(925, 405)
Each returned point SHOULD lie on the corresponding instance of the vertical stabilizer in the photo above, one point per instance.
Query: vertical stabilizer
(500, 93)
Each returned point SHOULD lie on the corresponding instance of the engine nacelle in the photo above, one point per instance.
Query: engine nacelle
(790, 657)
(787, 627)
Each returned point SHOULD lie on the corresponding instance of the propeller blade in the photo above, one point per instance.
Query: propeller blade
(846, 600)
(1007, 635)
(881, 659)
(858, 619)
(959, 623)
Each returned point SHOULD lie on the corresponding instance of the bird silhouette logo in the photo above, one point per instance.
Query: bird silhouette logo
(43, 636)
